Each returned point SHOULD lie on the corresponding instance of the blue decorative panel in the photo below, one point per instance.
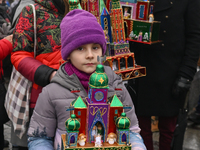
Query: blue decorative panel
(141, 11)
(129, 1)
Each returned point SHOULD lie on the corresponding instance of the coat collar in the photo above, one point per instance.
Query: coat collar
(161, 5)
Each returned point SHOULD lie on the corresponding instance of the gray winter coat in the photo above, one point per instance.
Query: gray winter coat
(50, 113)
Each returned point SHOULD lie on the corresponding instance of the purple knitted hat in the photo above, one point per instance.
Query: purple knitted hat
(80, 27)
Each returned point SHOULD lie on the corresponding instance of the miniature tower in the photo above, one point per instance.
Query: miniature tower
(72, 126)
(93, 7)
(117, 22)
(97, 104)
(80, 110)
(84, 4)
(123, 124)
(98, 86)
(105, 24)
(74, 4)
(116, 108)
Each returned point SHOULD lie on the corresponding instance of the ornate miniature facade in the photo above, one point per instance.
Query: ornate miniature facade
(97, 121)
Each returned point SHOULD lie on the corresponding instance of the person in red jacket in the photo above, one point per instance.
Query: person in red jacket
(5, 49)
(42, 68)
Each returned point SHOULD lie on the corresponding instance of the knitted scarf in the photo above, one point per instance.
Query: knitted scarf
(82, 76)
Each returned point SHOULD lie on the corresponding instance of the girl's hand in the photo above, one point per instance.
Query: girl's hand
(52, 75)
(9, 38)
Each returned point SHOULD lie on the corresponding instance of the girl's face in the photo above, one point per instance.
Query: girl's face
(84, 58)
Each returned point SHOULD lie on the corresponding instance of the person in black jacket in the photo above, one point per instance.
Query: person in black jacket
(4, 17)
(170, 67)
(5, 49)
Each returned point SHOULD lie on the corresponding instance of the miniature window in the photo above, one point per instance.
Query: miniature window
(141, 11)
(121, 35)
(116, 25)
(115, 117)
(123, 138)
(72, 139)
(116, 17)
(116, 112)
(151, 9)
(79, 113)
(105, 21)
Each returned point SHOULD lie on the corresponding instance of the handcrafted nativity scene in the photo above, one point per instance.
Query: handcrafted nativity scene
(97, 122)
(142, 27)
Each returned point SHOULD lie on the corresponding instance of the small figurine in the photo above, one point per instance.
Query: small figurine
(151, 18)
(106, 35)
(111, 138)
(115, 65)
(98, 142)
(132, 35)
(145, 38)
(94, 133)
(140, 36)
(81, 139)
(126, 14)
(100, 129)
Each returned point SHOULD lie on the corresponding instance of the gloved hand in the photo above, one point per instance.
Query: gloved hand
(180, 89)
(5, 30)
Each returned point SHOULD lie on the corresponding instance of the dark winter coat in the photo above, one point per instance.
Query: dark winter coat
(175, 56)
(5, 49)
(4, 17)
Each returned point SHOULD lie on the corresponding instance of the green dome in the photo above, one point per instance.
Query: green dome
(115, 0)
(123, 122)
(73, 2)
(99, 79)
(72, 124)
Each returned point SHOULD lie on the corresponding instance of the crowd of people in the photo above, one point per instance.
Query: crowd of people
(171, 66)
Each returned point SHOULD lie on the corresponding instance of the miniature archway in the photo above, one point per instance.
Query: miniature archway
(72, 139)
(122, 63)
(124, 138)
(126, 29)
(97, 128)
(130, 62)
(115, 65)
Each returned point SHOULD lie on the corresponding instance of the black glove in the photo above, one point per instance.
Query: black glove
(180, 89)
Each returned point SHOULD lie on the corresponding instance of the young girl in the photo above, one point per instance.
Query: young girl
(82, 41)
